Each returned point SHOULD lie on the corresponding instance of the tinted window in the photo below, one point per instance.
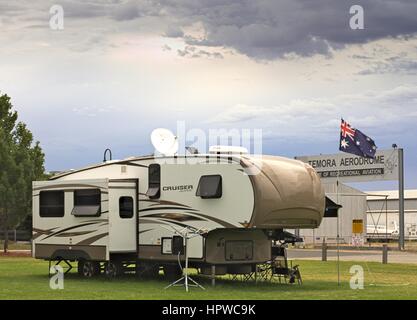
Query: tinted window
(126, 207)
(51, 204)
(87, 202)
(154, 181)
(87, 197)
(210, 187)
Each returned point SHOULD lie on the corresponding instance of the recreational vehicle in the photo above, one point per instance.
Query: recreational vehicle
(124, 213)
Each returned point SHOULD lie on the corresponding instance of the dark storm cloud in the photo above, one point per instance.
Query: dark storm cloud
(269, 29)
(119, 10)
(263, 29)
(173, 31)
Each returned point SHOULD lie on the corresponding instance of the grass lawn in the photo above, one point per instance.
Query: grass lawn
(26, 278)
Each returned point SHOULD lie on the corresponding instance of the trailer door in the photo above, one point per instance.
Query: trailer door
(123, 215)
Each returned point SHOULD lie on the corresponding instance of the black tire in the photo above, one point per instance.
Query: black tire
(172, 271)
(113, 269)
(88, 269)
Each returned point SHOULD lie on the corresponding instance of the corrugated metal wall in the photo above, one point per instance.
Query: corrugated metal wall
(354, 207)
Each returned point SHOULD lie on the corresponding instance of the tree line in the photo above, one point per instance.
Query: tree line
(21, 162)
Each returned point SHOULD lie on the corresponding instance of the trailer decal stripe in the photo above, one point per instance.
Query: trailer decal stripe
(166, 222)
(171, 216)
(162, 202)
(74, 234)
(161, 221)
(179, 224)
(174, 216)
(143, 231)
(39, 232)
(129, 163)
(164, 208)
(93, 239)
(70, 228)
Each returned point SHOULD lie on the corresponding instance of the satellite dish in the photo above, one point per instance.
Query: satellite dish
(164, 141)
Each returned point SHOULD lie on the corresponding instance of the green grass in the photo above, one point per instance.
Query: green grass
(26, 278)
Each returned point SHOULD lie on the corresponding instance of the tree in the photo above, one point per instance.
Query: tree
(21, 162)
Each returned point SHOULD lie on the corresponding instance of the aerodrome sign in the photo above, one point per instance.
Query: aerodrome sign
(350, 168)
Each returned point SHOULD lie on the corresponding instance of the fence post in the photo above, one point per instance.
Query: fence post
(385, 254)
(324, 251)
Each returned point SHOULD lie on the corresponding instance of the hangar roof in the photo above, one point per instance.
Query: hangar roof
(392, 194)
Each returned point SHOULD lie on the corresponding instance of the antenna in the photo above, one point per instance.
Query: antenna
(164, 141)
(105, 154)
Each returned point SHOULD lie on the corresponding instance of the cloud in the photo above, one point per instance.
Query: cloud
(166, 47)
(173, 32)
(394, 65)
(262, 30)
(193, 52)
(379, 112)
(270, 29)
(93, 111)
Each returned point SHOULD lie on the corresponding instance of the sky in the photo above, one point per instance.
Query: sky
(119, 69)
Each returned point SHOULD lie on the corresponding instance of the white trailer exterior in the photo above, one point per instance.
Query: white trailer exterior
(127, 210)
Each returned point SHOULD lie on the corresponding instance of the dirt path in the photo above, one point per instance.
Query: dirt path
(16, 253)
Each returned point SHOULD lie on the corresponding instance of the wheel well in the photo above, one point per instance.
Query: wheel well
(70, 255)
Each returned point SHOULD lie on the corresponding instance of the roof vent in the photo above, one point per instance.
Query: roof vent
(227, 150)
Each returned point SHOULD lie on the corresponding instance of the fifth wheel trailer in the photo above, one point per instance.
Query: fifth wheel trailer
(126, 212)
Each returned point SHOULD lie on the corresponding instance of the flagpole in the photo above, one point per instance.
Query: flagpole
(360, 145)
(337, 228)
(337, 239)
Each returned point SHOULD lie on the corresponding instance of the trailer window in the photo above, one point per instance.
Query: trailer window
(126, 207)
(51, 204)
(210, 187)
(87, 203)
(154, 181)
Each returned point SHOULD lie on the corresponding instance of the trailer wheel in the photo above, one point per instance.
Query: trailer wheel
(113, 269)
(88, 269)
(172, 271)
(147, 270)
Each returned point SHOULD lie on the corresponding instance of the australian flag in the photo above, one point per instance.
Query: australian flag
(355, 142)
